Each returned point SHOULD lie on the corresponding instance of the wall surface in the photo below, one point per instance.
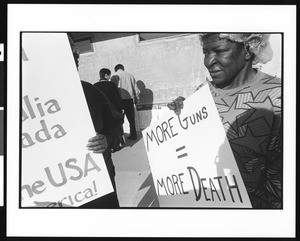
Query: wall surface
(165, 68)
(273, 67)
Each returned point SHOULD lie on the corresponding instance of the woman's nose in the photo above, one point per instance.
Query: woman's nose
(209, 60)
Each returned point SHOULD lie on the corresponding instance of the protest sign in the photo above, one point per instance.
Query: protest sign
(190, 158)
(57, 169)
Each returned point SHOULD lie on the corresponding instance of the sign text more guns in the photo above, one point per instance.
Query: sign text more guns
(190, 158)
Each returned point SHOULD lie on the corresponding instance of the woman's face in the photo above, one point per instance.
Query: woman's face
(223, 59)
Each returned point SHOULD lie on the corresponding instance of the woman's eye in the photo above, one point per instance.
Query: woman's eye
(220, 50)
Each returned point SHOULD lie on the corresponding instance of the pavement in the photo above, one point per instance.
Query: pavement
(134, 181)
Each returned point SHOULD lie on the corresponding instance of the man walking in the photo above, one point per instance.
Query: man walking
(109, 89)
(130, 96)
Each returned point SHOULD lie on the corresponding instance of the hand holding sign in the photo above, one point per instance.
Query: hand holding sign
(97, 144)
(176, 105)
(190, 158)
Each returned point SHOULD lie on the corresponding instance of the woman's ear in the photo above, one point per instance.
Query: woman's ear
(248, 54)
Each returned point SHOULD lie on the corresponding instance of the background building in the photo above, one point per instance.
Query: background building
(165, 65)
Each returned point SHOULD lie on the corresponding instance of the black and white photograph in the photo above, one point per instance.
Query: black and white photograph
(143, 124)
(128, 106)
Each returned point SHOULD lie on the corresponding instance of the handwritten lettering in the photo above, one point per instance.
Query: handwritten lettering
(161, 133)
(209, 189)
(193, 119)
(165, 131)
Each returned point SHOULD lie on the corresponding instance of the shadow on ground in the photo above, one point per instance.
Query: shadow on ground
(150, 198)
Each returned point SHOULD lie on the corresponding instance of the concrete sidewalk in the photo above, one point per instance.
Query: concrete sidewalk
(134, 181)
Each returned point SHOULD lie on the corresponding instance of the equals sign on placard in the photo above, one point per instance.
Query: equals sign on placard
(180, 149)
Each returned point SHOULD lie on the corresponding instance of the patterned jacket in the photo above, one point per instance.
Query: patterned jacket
(251, 116)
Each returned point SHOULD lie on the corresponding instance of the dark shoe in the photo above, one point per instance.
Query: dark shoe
(131, 138)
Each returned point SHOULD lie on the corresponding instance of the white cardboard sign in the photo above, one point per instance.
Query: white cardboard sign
(191, 160)
(57, 169)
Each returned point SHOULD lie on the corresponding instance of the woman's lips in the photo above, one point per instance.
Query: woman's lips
(215, 73)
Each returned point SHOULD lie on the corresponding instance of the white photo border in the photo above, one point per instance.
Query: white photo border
(149, 222)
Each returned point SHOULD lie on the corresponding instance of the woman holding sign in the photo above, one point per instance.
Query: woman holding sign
(249, 104)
